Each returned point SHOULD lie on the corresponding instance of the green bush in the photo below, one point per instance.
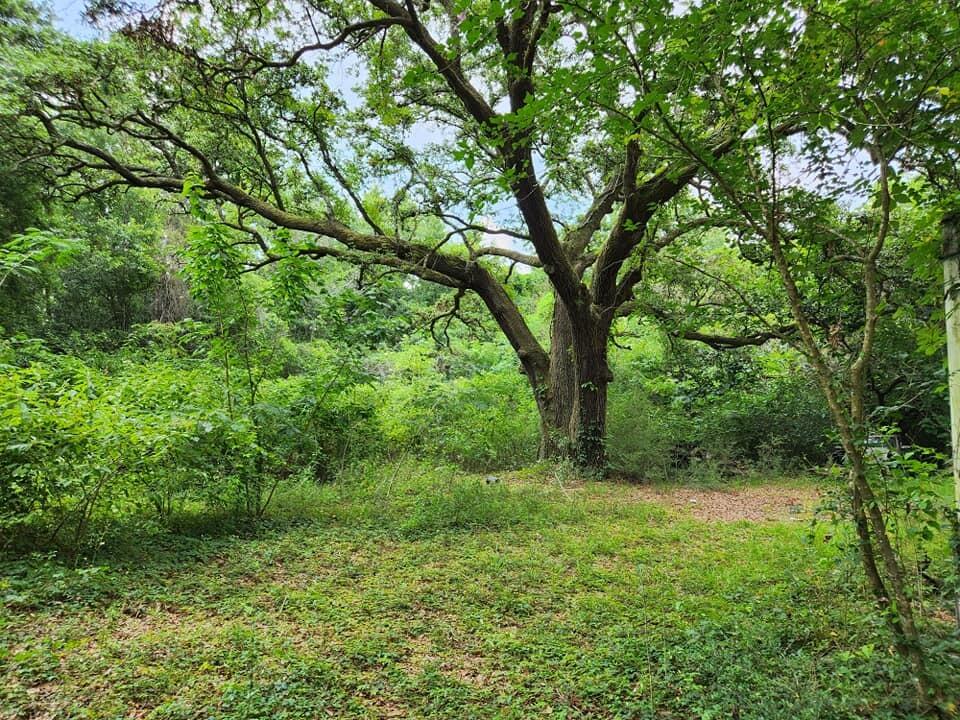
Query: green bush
(707, 411)
(643, 437)
(81, 444)
(477, 412)
(778, 420)
(61, 446)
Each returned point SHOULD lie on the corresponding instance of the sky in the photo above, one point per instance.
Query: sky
(68, 16)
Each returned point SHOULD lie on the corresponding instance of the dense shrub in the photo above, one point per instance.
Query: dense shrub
(645, 438)
(669, 411)
(781, 419)
(80, 442)
(60, 445)
(196, 416)
(474, 409)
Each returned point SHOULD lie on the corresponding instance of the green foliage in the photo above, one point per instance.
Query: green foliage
(25, 255)
(473, 408)
(29, 263)
(83, 444)
(61, 446)
(550, 602)
(111, 285)
(770, 421)
(913, 490)
(96, 273)
(645, 438)
(472, 504)
(680, 406)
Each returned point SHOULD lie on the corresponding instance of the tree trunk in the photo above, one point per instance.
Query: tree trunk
(570, 382)
(589, 417)
(555, 438)
(868, 516)
(552, 443)
(573, 403)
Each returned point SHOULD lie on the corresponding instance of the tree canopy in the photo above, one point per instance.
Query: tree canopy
(442, 140)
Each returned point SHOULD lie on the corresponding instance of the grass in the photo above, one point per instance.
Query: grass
(424, 594)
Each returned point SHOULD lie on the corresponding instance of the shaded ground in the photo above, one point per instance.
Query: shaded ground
(440, 597)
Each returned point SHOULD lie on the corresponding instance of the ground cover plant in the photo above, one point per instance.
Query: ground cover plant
(444, 596)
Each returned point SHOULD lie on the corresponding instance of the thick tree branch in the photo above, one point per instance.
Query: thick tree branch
(519, 257)
(577, 240)
(448, 67)
(730, 342)
(413, 258)
(516, 151)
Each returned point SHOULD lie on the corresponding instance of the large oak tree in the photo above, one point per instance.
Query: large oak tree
(452, 141)
(418, 136)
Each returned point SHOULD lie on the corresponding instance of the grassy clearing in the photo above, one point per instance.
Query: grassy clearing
(423, 594)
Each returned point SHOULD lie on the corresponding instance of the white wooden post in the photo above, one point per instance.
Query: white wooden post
(950, 254)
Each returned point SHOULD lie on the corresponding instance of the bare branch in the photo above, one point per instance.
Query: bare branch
(517, 257)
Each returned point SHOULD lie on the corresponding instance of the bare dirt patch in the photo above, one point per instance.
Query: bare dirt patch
(460, 663)
(756, 504)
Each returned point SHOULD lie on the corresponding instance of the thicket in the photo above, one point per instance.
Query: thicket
(239, 392)
(105, 421)
(165, 423)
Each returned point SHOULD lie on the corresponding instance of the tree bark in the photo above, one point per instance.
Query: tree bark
(559, 395)
(589, 417)
(573, 404)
